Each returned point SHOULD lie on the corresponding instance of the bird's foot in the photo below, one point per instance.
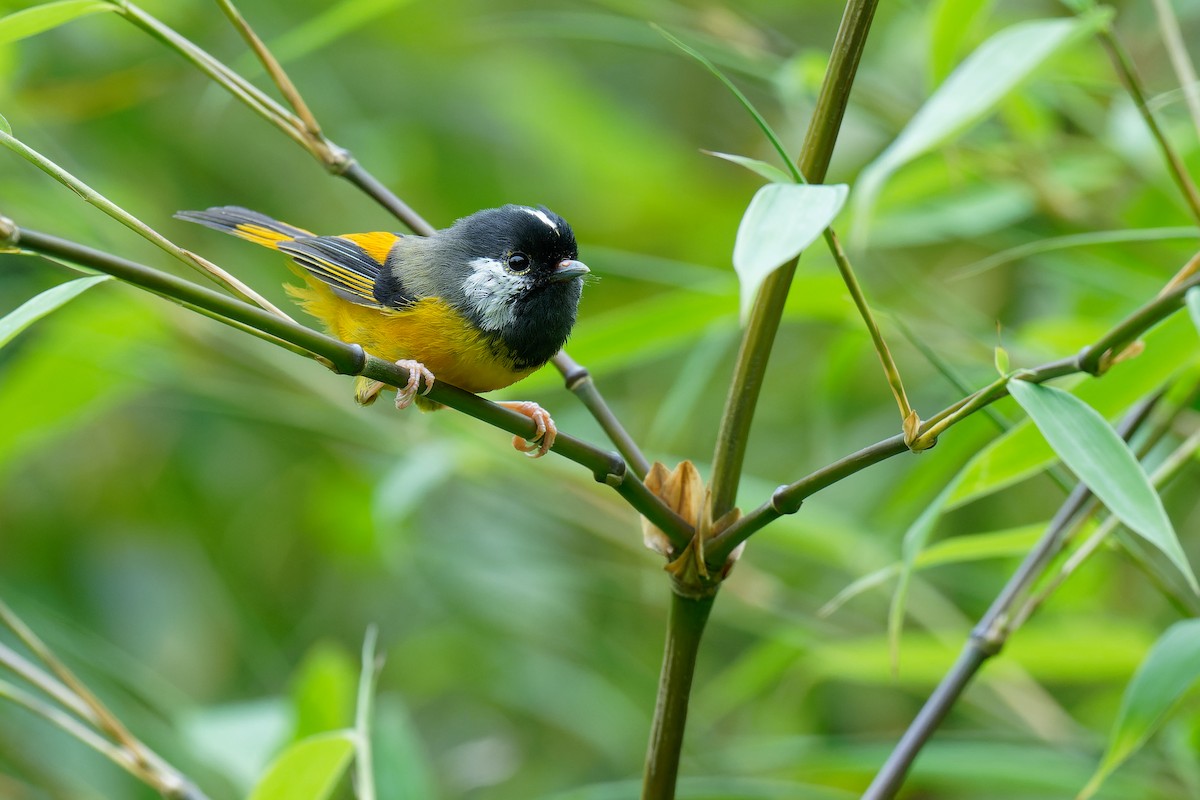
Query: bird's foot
(416, 371)
(543, 439)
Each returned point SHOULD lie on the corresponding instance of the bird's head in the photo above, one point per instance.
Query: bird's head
(521, 276)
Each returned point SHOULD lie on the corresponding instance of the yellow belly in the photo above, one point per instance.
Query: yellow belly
(429, 331)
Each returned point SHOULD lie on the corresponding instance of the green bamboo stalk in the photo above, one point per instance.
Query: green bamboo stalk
(685, 627)
(765, 316)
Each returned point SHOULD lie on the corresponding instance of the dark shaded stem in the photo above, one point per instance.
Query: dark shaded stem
(349, 359)
(579, 382)
(787, 499)
(990, 635)
(1133, 84)
(685, 626)
(767, 311)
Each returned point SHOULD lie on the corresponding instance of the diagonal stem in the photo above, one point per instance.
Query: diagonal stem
(990, 635)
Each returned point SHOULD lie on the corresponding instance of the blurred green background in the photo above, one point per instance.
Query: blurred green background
(205, 525)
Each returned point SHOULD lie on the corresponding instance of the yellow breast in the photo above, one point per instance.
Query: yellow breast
(430, 331)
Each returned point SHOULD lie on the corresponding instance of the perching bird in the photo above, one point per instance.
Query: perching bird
(480, 304)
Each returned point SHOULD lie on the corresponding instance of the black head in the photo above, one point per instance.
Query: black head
(521, 277)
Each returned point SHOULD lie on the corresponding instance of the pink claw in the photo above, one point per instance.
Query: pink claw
(543, 438)
(416, 371)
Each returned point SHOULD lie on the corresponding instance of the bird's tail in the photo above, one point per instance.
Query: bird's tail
(246, 224)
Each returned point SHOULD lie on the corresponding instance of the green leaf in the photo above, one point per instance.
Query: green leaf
(1002, 362)
(32, 21)
(1094, 452)
(780, 221)
(308, 770)
(952, 23)
(1193, 303)
(771, 173)
(323, 690)
(4, 126)
(973, 90)
(1169, 670)
(41, 305)
(1022, 452)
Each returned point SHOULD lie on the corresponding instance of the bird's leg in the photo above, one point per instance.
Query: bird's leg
(543, 439)
(367, 391)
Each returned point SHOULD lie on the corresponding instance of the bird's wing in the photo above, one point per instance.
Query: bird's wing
(350, 264)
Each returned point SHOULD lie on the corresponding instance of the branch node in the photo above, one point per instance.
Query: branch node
(358, 364)
(614, 476)
(9, 232)
(575, 376)
(989, 638)
(778, 504)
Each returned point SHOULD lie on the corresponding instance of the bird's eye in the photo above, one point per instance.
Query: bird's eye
(518, 262)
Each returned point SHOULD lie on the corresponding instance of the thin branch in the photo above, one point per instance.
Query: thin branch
(1092, 360)
(1180, 61)
(1133, 84)
(350, 359)
(767, 311)
(91, 196)
(579, 382)
(364, 761)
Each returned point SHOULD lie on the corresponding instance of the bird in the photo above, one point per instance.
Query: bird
(480, 304)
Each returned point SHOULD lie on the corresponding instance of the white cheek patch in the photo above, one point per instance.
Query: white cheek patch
(542, 216)
(491, 291)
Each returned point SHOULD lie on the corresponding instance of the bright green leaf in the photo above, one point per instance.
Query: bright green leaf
(771, 173)
(308, 770)
(41, 305)
(1094, 452)
(32, 21)
(4, 126)
(780, 221)
(997, 67)
(323, 690)
(1002, 362)
(1171, 668)
(1022, 452)
(952, 22)
(1193, 304)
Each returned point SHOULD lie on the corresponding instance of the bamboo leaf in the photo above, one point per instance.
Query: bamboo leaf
(41, 305)
(974, 89)
(1193, 303)
(772, 173)
(32, 21)
(781, 220)
(1170, 669)
(308, 770)
(1094, 452)
(952, 22)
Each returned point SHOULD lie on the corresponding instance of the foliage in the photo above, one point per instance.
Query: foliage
(204, 525)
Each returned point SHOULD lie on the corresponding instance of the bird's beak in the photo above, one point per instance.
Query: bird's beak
(568, 269)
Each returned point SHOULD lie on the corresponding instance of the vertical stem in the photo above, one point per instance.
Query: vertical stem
(685, 626)
(768, 306)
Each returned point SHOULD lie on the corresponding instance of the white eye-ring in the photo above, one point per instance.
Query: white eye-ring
(518, 263)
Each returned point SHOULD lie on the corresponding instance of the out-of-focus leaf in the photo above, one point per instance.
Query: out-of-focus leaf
(32, 21)
(1103, 461)
(34, 309)
(914, 542)
(1022, 452)
(308, 770)
(323, 690)
(239, 739)
(330, 25)
(403, 768)
(1193, 304)
(780, 221)
(4, 126)
(1076, 240)
(951, 23)
(974, 89)
(1170, 669)
(768, 171)
(958, 550)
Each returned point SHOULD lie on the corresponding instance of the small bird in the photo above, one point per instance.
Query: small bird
(480, 304)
